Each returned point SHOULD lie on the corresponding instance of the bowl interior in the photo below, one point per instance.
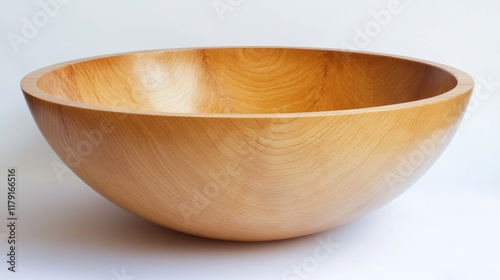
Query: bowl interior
(246, 80)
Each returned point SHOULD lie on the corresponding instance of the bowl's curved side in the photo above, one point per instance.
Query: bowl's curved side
(249, 179)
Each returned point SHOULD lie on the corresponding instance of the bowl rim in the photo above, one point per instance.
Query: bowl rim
(465, 84)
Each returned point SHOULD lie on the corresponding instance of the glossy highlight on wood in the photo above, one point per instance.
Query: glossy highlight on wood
(248, 144)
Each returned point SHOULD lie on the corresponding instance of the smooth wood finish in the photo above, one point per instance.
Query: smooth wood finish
(248, 143)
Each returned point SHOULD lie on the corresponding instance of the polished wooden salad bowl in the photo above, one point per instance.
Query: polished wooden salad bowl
(248, 143)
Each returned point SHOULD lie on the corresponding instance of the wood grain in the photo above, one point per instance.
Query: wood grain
(248, 143)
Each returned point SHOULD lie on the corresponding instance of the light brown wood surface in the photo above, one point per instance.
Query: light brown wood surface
(248, 143)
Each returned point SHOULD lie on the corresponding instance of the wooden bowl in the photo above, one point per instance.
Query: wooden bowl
(248, 143)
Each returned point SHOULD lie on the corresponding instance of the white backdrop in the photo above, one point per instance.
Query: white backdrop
(446, 227)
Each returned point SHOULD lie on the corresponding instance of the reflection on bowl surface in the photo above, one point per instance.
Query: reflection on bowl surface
(248, 143)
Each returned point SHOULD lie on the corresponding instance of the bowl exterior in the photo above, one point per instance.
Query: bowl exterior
(249, 179)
